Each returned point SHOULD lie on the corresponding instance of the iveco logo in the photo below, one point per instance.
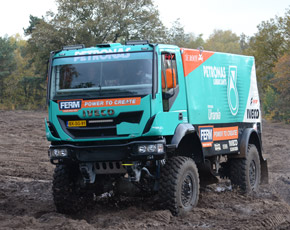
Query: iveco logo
(98, 112)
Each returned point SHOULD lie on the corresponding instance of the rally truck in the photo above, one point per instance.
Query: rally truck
(151, 118)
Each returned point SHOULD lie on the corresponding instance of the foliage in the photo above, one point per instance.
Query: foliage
(7, 62)
(23, 63)
(223, 41)
(19, 93)
(271, 48)
(268, 102)
(282, 83)
(177, 36)
(267, 46)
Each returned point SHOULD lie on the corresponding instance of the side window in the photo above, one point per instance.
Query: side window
(169, 71)
(169, 79)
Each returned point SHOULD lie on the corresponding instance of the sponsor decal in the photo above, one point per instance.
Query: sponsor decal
(217, 147)
(225, 133)
(115, 54)
(233, 143)
(98, 112)
(253, 113)
(111, 102)
(254, 101)
(213, 115)
(206, 135)
(232, 91)
(70, 106)
(192, 59)
(209, 134)
(217, 73)
(233, 149)
(75, 105)
(225, 146)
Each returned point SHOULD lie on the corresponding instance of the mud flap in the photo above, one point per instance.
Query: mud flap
(264, 171)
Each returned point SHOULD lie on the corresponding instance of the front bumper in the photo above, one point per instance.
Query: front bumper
(101, 153)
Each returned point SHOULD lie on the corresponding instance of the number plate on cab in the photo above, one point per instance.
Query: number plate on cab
(80, 123)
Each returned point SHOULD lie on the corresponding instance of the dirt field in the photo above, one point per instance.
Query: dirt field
(26, 200)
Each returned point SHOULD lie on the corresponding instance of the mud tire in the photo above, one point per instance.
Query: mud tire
(179, 185)
(68, 197)
(246, 172)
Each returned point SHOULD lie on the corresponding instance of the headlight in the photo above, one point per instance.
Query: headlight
(142, 149)
(58, 152)
(151, 148)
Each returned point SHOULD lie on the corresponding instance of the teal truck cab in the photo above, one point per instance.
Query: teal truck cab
(153, 118)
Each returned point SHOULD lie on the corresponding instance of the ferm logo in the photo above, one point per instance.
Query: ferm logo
(232, 91)
(68, 105)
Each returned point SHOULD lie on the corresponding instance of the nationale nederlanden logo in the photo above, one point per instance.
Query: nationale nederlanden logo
(232, 91)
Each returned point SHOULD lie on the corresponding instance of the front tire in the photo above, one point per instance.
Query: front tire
(246, 172)
(179, 185)
(68, 196)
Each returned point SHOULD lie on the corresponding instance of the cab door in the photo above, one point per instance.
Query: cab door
(172, 82)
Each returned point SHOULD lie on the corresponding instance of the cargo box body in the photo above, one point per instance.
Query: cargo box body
(221, 88)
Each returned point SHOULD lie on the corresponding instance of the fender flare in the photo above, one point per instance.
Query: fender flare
(246, 136)
(245, 141)
(180, 132)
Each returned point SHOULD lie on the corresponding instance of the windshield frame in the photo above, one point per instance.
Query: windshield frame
(85, 91)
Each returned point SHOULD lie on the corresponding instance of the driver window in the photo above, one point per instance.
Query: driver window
(169, 79)
(169, 72)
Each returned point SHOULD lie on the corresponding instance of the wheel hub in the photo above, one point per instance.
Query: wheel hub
(187, 190)
(252, 173)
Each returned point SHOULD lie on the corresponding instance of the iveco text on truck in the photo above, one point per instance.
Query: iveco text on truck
(158, 118)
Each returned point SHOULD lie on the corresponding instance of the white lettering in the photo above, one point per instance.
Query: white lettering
(214, 72)
(102, 57)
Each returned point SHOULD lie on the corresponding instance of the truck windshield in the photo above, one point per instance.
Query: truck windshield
(121, 74)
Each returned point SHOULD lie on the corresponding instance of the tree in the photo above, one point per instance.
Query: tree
(91, 22)
(271, 48)
(33, 21)
(268, 45)
(7, 62)
(282, 83)
(177, 36)
(23, 88)
(223, 41)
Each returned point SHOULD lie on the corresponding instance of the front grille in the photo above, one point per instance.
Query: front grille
(101, 127)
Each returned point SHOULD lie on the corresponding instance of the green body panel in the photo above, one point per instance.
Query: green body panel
(207, 90)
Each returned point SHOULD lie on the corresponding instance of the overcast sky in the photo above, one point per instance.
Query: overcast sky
(197, 16)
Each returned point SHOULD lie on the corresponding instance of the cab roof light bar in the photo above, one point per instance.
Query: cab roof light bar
(136, 42)
(103, 45)
(73, 47)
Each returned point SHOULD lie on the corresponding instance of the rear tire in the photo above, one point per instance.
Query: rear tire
(179, 185)
(68, 196)
(246, 172)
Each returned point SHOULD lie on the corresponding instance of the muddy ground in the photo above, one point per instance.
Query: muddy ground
(26, 200)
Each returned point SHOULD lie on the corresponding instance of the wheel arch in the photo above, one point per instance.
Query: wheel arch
(187, 143)
(250, 136)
